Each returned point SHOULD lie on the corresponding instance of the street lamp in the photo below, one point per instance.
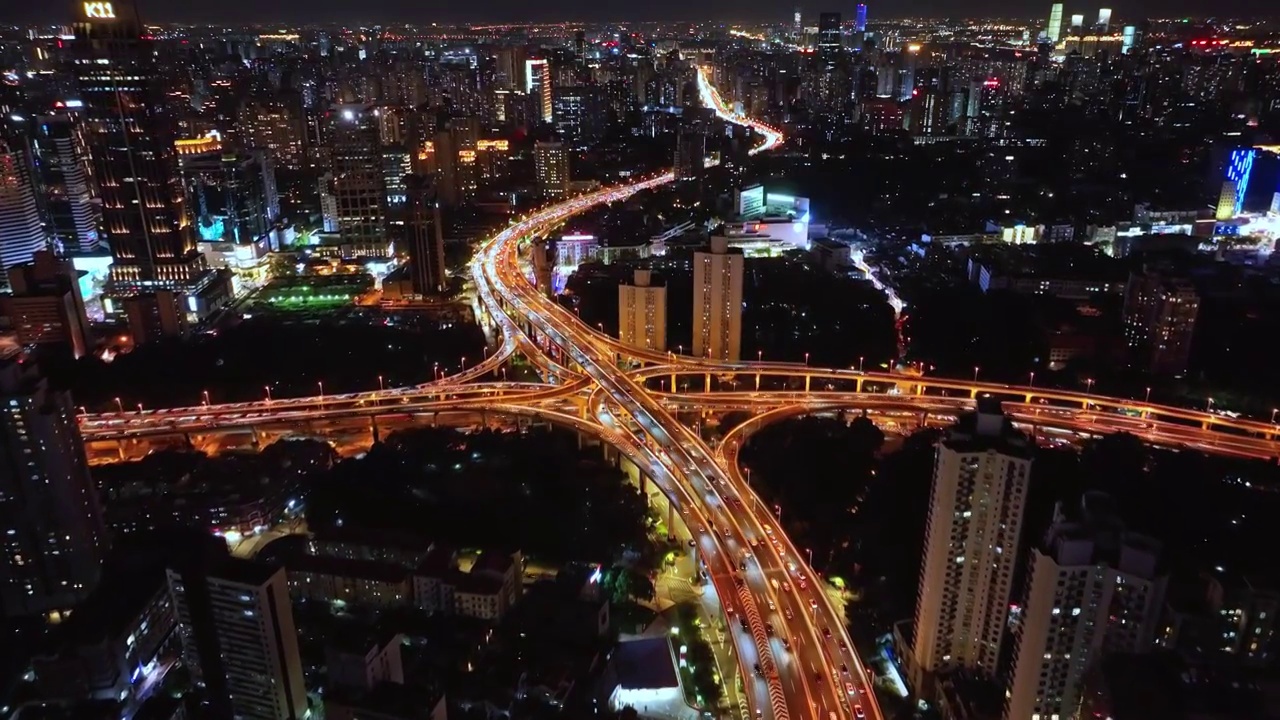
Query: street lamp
(381, 386)
(860, 359)
(1148, 398)
(1273, 415)
(975, 373)
(321, 384)
(139, 408)
(806, 358)
(1208, 406)
(1088, 385)
(268, 389)
(119, 405)
(1032, 381)
(206, 398)
(759, 356)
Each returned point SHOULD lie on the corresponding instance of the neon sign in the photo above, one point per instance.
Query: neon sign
(99, 11)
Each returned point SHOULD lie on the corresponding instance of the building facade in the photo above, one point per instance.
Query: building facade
(22, 233)
(642, 313)
(51, 528)
(238, 638)
(717, 301)
(1094, 588)
(981, 474)
(551, 164)
(1159, 321)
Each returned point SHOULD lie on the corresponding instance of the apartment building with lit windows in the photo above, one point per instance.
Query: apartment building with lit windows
(717, 301)
(981, 474)
(642, 313)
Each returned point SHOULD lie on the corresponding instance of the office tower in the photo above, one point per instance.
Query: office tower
(1094, 589)
(981, 473)
(66, 177)
(551, 165)
(51, 529)
(578, 113)
(425, 234)
(1236, 184)
(21, 232)
(145, 221)
(232, 195)
(717, 301)
(642, 313)
(1159, 321)
(537, 83)
(328, 203)
(580, 50)
(1077, 24)
(1128, 38)
(829, 40)
(691, 154)
(797, 26)
(1054, 30)
(44, 306)
(238, 638)
(452, 156)
(1104, 20)
(860, 18)
(359, 186)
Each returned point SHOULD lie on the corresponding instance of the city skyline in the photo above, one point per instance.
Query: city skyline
(614, 11)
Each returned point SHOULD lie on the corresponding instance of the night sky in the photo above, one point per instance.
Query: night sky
(356, 11)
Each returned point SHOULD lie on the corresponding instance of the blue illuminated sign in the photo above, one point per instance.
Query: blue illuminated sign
(1238, 170)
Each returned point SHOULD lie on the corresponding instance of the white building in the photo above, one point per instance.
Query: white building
(551, 165)
(717, 301)
(642, 313)
(1094, 589)
(238, 637)
(21, 231)
(981, 473)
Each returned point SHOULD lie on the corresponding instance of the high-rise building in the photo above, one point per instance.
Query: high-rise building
(145, 221)
(232, 195)
(275, 128)
(1094, 589)
(359, 185)
(642, 313)
(860, 18)
(578, 113)
(425, 235)
(45, 306)
(1077, 24)
(1159, 321)
(981, 474)
(21, 232)
(797, 26)
(1054, 30)
(717, 301)
(52, 538)
(537, 83)
(1104, 20)
(691, 154)
(66, 178)
(1236, 184)
(551, 166)
(238, 638)
(829, 37)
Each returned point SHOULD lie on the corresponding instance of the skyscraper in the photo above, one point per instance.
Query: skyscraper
(797, 26)
(717, 301)
(52, 537)
(551, 166)
(425, 236)
(829, 38)
(642, 313)
(66, 177)
(21, 232)
(359, 186)
(980, 478)
(1054, 30)
(131, 141)
(1094, 589)
(1104, 20)
(860, 18)
(238, 638)
(691, 153)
